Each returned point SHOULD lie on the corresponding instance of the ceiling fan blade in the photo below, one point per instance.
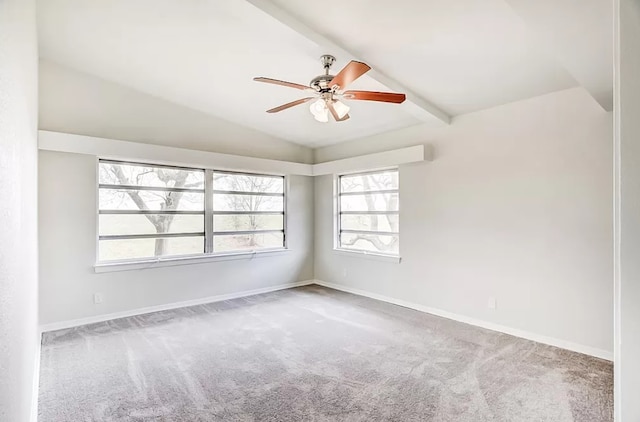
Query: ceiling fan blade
(282, 83)
(334, 113)
(385, 97)
(349, 73)
(291, 104)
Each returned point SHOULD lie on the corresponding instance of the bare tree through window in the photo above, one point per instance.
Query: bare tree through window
(148, 189)
(255, 206)
(369, 212)
(153, 211)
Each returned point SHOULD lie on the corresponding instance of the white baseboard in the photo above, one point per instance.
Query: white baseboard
(139, 311)
(563, 344)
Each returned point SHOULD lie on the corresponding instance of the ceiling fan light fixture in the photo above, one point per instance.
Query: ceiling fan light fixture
(341, 108)
(319, 110)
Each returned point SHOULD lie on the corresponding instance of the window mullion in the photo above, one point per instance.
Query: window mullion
(208, 211)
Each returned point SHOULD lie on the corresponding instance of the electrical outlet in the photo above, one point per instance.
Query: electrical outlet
(97, 298)
(491, 303)
(344, 273)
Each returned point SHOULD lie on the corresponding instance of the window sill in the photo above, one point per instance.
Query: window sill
(369, 255)
(106, 267)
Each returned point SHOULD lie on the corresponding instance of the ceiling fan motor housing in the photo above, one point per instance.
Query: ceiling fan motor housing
(321, 83)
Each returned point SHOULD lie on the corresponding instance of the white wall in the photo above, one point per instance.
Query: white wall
(517, 205)
(628, 223)
(75, 102)
(68, 221)
(18, 236)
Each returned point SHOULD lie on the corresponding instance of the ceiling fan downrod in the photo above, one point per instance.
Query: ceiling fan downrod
(321, 83)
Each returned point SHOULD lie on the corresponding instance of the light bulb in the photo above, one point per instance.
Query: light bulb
(319, 110)
(341, 108)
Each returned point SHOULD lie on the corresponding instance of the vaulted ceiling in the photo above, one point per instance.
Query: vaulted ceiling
(450, 57)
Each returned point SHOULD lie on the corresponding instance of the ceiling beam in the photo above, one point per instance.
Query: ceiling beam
(415, 104)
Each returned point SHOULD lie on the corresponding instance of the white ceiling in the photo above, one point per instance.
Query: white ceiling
(459, 56)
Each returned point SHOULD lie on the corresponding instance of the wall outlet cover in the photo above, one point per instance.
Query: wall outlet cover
(491, 303)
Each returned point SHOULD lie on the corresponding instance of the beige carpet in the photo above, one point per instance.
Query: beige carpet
(312, 354)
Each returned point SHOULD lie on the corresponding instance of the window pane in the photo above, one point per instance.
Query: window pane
(247, 183)
(141, 175)
(247, 242)
(369, 202)
(368, 182)
(247, 222)
(146, 248)
(114, 199)
(369, 242)
(225, 202)
(380, 223)
(148, 224)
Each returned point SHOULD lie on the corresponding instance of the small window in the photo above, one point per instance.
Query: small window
(368, 212)
(148, 211)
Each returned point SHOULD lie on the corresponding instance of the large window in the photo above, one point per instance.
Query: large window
(148, 211)
(368, 212)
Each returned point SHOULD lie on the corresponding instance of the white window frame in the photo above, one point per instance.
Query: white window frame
(208, 213)
(390, 257)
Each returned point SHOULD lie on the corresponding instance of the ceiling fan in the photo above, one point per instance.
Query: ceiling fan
(329, 88)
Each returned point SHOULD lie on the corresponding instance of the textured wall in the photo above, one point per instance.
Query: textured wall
(517, 205)
(18, 223)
